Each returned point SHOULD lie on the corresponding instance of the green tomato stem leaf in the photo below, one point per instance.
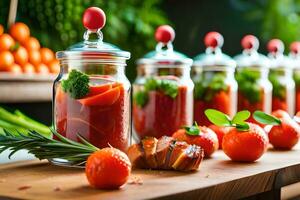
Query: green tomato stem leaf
(218, 118)
(242, 126)
(192, 130)
(264, 118)
(241, 116)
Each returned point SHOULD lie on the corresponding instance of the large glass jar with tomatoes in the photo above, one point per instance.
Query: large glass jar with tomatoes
(281, 77)
(163, 89)
(254, 87)
(92, 94)
(213, 76)
(295, 58)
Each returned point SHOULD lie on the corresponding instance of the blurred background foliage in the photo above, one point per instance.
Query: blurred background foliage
(131, 23)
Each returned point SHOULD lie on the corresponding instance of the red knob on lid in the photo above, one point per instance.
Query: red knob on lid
(275, 45)
(93, 18)
(295, 47)
(213, 39)
(164, 34)
(250, 42)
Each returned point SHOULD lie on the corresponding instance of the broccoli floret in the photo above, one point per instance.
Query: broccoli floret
(77, 84)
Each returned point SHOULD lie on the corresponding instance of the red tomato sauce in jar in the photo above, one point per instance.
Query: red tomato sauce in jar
(221, 101)
(98, 117)
(162, 115)
(298, 99)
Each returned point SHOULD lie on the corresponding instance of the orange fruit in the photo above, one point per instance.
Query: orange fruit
(6, 42)
(1, 29)
(14, 68)
(21, 56)
(54, 66)
(41, 69)
(34, 57)
(6, 60)
(47, 55)
(108, 168)
(31, 44)
(19, 31)
(28, 68)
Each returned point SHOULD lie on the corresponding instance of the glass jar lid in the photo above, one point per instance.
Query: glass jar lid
(213, 55)
(94, 50)
(250, 57)
(276, 56)
(164, 53)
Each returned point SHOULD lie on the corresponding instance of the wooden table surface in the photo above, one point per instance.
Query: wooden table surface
(218, 178)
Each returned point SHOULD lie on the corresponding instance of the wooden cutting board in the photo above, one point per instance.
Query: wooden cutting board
(218, 178)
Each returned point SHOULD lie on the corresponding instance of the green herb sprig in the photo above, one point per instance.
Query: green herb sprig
(220, 119)
(77, 84)
(168, 87)
(47, 148)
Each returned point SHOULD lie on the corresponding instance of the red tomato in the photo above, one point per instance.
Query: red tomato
(108, 168)
(19, 31)
(207, 139)
(245, 146)
(104, 99)
(21, 56)
(6, 42)
(286, 135)
(6, 60)
(28, 68)
(220, 131)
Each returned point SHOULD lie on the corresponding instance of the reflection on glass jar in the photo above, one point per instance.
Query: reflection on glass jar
(92, 93)
(295, 58)
(215, 85)
(162, 92)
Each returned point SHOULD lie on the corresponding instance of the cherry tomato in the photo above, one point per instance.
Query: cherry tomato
(54, 66)
(6, 60)
(42, 69)
(47, 55)
(1, 29)
(14, 68)
(34, 57)
(31, 44)
(21, 56)
(108, 168)
(20, 32)
(28, 68)
(6, 42)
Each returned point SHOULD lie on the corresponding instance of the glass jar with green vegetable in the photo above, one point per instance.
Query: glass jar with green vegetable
(254, 87)
(281, 77)
(163, 89)
(213, 76)
(295, 58)
(92, 93)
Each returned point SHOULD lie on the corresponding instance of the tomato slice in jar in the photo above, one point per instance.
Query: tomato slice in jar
(103, 99)
(94, 90)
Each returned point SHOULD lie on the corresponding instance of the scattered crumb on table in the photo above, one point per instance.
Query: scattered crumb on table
(57, 189)
(24, 187)
(135, 181)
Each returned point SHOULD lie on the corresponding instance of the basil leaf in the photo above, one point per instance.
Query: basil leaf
(140, 98)
(242, 126)
(241, 116)
(218, 118)
(264, 118)
(192, 130)
(170, 88)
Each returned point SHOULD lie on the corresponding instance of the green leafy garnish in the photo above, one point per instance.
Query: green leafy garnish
(77, 84)
(264, 118)
(279, 90)
(248, 84)
(192, 130)
(47, 148)
(208, 85)
(168, 87)
(220, 119)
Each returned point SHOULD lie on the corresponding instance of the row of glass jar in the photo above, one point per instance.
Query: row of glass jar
(92, 94)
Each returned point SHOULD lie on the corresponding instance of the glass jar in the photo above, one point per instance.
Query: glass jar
(213, 76)
(92, 93)
(254, 87)
(163, 89)
(295, 58)
(281, 77)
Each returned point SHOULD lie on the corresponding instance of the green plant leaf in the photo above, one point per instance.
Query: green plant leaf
(192, 130)
(241, 116)
(243, 126)
(218, 118)
(264, 118)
